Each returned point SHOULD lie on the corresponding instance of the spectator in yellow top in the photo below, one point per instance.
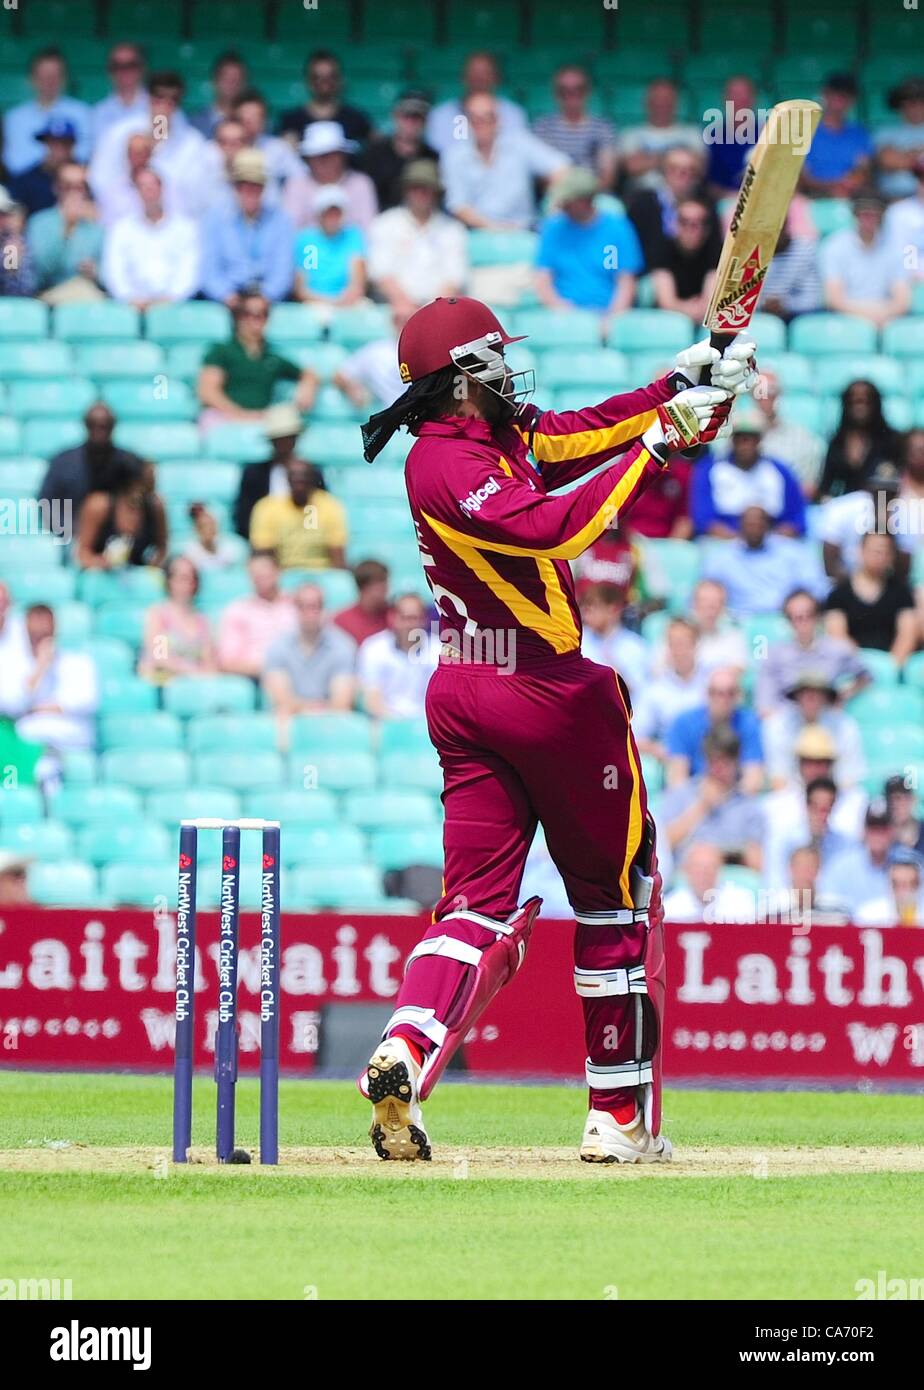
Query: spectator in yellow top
(306, 527)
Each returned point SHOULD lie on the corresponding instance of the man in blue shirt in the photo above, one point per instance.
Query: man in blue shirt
(251, 245)
(723, 488)
(587, 259)
(839, 161)
(729, 142)
(21, 124)
(760, 570)
(686, 733)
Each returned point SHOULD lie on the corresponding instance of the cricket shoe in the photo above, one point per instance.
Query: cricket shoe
(390, 1082)
(607, 1141)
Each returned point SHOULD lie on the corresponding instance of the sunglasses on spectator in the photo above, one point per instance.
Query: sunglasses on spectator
(124, 64)
(254, 314)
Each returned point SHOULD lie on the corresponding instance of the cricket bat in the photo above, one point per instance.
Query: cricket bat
(763, 201)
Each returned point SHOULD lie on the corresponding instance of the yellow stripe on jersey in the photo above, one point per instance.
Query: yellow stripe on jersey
(559, 608)
(568, 549)
(557, 448)
(558, 630)
(502, 463)
(634, 836)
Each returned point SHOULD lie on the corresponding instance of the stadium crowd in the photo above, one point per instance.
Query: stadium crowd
(765, 611)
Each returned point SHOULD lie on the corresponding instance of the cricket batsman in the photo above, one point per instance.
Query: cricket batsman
(543, 735)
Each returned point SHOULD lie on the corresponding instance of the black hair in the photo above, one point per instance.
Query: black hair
(427, 399)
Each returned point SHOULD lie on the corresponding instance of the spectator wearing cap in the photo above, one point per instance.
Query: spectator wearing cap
(394, 667)
(759, 568)
(282, 162)
(903, 904)
(282, 425)
(387, 156)
(729, 136)
(229, 79)
(686, 734)
(324, 149)
(330, 259)
(810, 649)
(797, 447)
(723, 488)
(793, 282)
(859, 875)
(34, 187)
(310, 670)
(872, 607)
(605, 638)
(239, 378)
(250, 625)
(812, 700)
(416, 252)
(685, 273)
(902, 801)
(369, 614)
(51, 694)
(324, 83)
(703, 896)
(480, 77)
(66, 241)
(22, 124)
(248, 248)
(128, 98)
(903, 226)
(863, 443)
(154, 257)
(838, 163)
(175, 150)
(713, 808)
(653, 209)
(305, 527)
(490, 174)
(811, 809)
(677, 685)
(900, 145)
(863, 271)
(17, 275)
(370, 375)
(588, 141)
(14, 879)
(642, 148)
(587, 259)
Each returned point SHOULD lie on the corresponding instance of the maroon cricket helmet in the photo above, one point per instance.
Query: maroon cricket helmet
(432, 333)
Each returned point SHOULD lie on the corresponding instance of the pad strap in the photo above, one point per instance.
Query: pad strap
(446, 946)
(612, 917)
(595, 984)
(424, 1020)
(501, 928)
(620, 1074)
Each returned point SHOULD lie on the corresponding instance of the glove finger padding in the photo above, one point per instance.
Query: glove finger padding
(736, 370)
(691, 417)
(693, 363)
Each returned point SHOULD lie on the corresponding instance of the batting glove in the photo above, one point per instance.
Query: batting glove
(693, 365)
(736, 369)
(692, 417)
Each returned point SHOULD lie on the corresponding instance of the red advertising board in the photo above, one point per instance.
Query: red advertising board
(94, 989)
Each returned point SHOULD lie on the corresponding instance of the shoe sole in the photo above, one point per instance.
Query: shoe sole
(663, 1155)
(393, 1132)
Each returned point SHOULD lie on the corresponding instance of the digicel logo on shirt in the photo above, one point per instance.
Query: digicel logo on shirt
(472, 503)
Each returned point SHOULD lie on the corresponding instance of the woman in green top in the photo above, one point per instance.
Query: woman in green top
(238, 378)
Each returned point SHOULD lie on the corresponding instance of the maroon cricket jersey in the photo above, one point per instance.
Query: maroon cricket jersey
(495, 545)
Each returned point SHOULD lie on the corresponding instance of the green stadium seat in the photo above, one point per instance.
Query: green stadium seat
(645, 27)
(672, 569)
(125, 694)
(765, 628)
(45, 840)
(123, 842)
(653, 773)
(356, 886)
(232, 20)
(19, 805)
(325, 845)
(213, 733)
(294, 323)
(191, 803)
(328, 732)
(111, 656)
(70, 396)
(73, 625)
(22, 319)
(355, 484)
(220, 587)
(26, 360)
(794, 371)
(896, 33)
(239, 769)
(404, 736)
(478, 24)
(880, 666)
(501, 248)
(238, 443)
(381, 810)
(650, 329)
(145, 768)
(398, 849)
(420, 771)
(769, 331)
(174, 440)
(898, 411)
(78, 765)
(331, 443)
(184, 360)
(154, 729)
(323, 358)
(41, 437)
(904, 338)
(108, 362)
(32, 552)
(826, 333)
(577, 368)
(45, 585)
(654, 626)
(801, 408)
(122, 620)
(197, 320)
(168, 401)
(292, 806)
(133, 585)
(914, 670)
(325, 24)
(193, 695)
(45, 18)
(337, 771)
(191, 480)
(332, 404)
(65, 883)
(102, 320)
(550, 328)
(76, 804)
(358, 326)
(140, 883)
(831, 215)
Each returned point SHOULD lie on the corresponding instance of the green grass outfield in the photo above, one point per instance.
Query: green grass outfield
(786, 1196)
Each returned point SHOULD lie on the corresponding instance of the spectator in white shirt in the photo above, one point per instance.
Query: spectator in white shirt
(416, 252)
(177, 151)
(13, 640)
(790, 821)
(719, 641)
(324, 148)
(703, 897)
(678, 685)
(904, 224)
(153, 258)
(903, 904)
(129, 96)
(642, 146)
(394, 667)
(862, 270)
(480, 74)
(606, 640)
(489, 173)
(51, 694)
(370, 376)
(119, 198)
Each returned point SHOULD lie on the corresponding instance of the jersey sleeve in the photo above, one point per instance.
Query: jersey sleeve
(569, 443)
(480, 507)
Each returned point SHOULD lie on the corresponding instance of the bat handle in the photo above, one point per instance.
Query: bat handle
(720, 341)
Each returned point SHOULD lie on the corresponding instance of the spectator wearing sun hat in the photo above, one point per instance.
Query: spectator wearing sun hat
(282, 425)
(416, 252)
(330, 259)
(587, 259)
(249, 245)
(324, 149)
